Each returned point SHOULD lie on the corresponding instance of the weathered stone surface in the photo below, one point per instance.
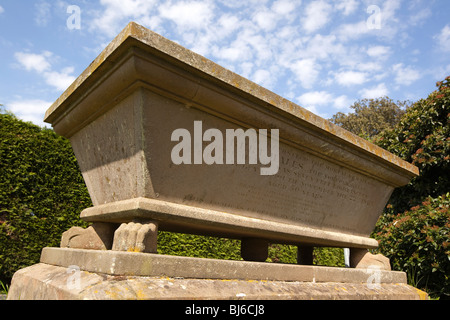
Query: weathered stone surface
(43, 281)
(136, 237)
(155, 265)
(363, 259)
(204, 221)
(97, 237)
(71, 234)
(48, 282)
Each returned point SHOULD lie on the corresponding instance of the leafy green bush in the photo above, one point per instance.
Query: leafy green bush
(41, 192)
(413, 231)
(418, 241)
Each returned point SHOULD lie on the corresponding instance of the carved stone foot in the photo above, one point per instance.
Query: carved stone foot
(99, 236)
(363, 259)
(136, 237)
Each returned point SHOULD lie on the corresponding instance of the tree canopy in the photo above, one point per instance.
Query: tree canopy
(371, 116)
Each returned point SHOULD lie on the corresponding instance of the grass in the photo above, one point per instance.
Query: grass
(4, 288)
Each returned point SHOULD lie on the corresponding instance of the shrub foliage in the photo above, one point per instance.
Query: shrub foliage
(417, 242)
(422, 137)
(414, 230)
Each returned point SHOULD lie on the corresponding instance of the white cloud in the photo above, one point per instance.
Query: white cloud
(234, 4)
(379, 52)
(40, 64)
(306, 71)
(228, 24)
(349, 78)
(197, 27)
(346, 6)
(390, 23)
(369, 66)
(312, 100)
(188, 14)
(60, 80)
(261, 47)
(420, 16)
(312, 109)
(390, 7)
(342, 103)
(236, 52)
(42, 13)
(30, 110)
(443, 39)
(265, 19)
(245, 69)
(117, 13)
(317, 16)
(322, 47)
(352, 31)
(1, 9)
(284, 7)
(405, 75)
(315, 98)
(374, 92)
(34, 62)
(263, 78)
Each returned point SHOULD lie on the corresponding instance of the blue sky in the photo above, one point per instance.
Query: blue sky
(323, 54)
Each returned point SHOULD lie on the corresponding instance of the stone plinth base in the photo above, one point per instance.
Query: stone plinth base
(91, 274)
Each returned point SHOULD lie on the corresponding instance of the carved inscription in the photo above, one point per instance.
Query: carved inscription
(307, 191)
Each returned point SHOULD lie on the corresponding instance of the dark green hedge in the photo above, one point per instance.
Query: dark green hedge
(41, 192)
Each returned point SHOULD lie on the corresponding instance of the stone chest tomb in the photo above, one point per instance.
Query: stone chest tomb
(328, 186)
